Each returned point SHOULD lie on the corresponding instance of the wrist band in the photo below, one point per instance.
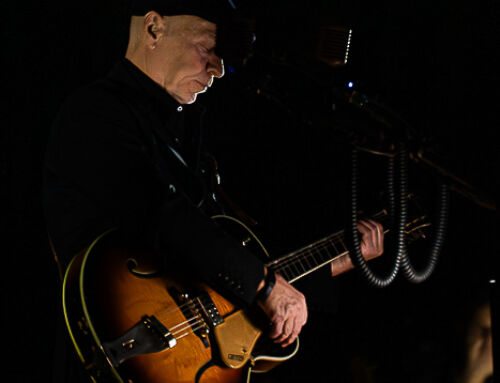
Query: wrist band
(269, 282)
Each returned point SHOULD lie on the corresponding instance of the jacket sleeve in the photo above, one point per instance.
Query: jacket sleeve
(100, 174)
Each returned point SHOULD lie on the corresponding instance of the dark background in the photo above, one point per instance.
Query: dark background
(431, 62)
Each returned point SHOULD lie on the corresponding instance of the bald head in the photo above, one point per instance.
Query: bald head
(177, 52)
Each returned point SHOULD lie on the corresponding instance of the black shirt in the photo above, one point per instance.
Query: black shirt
(123, 153)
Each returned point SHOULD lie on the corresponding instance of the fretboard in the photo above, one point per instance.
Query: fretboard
(310, 258)
(305, 260)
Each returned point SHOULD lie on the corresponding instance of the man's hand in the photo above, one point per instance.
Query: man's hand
(286, 308)
(372, 245)
(372, 240)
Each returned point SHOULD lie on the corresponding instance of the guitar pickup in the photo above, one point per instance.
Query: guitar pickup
(146, 337)
(201, 304)
(209, 309)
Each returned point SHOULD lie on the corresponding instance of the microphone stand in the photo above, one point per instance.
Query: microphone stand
(456, 184)
(385, 116)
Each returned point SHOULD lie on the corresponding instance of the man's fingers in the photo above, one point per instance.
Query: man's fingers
(277, 327)
(369, 235)
(369, 227)
(372, 241)
(287, 330)
(379, 237)
(363, 227)
(291, 338)
(286, 308)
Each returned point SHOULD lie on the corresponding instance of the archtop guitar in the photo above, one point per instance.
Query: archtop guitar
(131, 320)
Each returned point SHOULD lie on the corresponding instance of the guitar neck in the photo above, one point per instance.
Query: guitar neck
(304, 261)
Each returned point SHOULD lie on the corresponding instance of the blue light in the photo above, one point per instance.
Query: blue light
(350, 84)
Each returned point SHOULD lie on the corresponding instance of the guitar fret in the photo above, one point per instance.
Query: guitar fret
(332, 242)
(284, 273)
(328, 252)
(303, 262)
(343, 244)
(323, 257)
(319, 256)
(304, 269)
(305, 256)
(316, 263)
(297, 264)
(296, 268)
(329, 255)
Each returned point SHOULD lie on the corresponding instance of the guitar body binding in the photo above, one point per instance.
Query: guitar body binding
(127, 325)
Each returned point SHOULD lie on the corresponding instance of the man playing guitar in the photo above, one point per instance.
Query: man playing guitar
(124, 152)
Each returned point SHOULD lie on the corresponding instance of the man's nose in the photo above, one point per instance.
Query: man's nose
(215, 67)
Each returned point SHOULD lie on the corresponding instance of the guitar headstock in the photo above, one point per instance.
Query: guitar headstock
(417, 228)
(418, 224)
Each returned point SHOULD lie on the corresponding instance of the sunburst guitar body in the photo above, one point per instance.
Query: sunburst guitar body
(131, 319)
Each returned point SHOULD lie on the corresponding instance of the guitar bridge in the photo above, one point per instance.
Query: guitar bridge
(147, 336)
(209, 310)
(202, 307)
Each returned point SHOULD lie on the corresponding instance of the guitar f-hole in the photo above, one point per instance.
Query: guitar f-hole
(141, 271)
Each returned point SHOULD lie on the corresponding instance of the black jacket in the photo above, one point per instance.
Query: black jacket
(123, 153)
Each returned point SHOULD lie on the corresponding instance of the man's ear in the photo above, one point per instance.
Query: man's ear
(154, 27)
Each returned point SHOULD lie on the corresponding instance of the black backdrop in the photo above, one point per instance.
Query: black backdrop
(431, 62)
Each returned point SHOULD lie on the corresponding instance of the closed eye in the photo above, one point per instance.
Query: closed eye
(202, 48)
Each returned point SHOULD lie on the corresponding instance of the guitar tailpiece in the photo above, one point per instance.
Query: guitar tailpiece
(146, 337)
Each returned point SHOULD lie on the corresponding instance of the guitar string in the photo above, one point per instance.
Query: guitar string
(183, 323)
(297, 253)
(295, 257)
(175, 333)
(290, 259)
(304, 260)
(337, 235)
(181, 307)
(300, 257)
(193, 331)
(163, 314)
(308, 259)
(292, 274)
(179, 333)
(300, 266)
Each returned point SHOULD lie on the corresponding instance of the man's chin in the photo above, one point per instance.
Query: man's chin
(184, 98)
(194, 95)
(192, 99)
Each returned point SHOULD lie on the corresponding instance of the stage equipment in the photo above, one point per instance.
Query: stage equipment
(369, 126)
(235, 39)
(397, 141)
(398, 210)
(235, 35)
(333, 45)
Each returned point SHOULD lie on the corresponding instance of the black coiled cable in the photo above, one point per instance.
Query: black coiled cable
(419, 276)
(357, 257)
(391, 194)
(402, 258)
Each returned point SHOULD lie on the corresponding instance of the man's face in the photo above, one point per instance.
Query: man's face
(186, 57)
